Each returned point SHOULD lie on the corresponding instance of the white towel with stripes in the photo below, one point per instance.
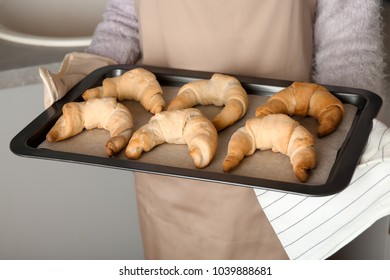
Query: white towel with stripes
(317, 227)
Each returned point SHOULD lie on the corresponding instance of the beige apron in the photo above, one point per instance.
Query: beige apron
(190, 219)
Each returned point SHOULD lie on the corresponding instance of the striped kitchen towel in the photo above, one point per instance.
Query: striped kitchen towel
(317, 227)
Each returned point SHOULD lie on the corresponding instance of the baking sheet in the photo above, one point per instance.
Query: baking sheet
(263, 164)
(337, 153)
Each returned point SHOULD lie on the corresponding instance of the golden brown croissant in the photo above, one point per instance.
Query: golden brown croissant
(137, 84)
(219, 90)
(306, 99)
(104, 113)
(277, 132)
(186, 126)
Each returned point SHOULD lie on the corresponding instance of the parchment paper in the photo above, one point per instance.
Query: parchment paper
(263, 164)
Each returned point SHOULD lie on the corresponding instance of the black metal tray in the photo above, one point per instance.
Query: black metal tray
(26, 142)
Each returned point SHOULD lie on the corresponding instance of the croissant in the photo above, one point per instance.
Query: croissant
(219, 90)
(137, 84)
(277, 132)
(104, 113)
(306, 99)
(186, 126)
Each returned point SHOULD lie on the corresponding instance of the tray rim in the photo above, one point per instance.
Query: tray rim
(25, 142)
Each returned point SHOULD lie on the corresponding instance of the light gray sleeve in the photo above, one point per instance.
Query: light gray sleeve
(116, 36)
(348, 44)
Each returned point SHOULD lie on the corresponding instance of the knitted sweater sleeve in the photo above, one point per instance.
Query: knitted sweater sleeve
(116, 36)
(348, 44)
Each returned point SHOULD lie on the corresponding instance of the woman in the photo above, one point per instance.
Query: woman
(182, 218)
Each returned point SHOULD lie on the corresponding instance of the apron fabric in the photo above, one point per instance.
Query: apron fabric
(262, 38)
(191, 219)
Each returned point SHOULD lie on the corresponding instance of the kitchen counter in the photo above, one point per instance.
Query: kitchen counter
(24, 76)
(16, 56)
